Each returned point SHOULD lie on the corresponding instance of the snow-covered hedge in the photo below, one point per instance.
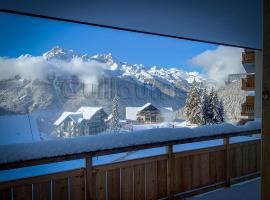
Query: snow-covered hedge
(51, 148)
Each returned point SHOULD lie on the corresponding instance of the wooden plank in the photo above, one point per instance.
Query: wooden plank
(199, 151)
(253, 158)
(42, 190)
(129, 163)
(5, 194)
(77, 188)
(213, 172)
(245, 159)
(227, 163)
(239, 161)
(151, 180)
(169, 174)
(99, 178)
(205, 169)
(22, 192)
(233, 161)
(127, 185)
(220, 166)
(195, 170)
(60, 189)
(139, 182)
(178, 176)
(187, 173)
(162, 178)
(42, 178)
(113, 184)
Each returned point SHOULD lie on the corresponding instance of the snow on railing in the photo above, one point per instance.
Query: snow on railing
(87, 144)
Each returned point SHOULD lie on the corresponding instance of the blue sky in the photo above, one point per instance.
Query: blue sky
(22, 34)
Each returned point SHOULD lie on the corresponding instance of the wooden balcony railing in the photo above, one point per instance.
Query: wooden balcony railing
(172, 175)
(248, 57)
(250, 100)
(247, 110)
(248, 83)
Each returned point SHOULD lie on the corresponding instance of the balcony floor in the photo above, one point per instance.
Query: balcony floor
(249, 190)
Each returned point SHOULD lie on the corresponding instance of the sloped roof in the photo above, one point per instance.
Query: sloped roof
(63, 116)
(145, 106)
(84, 112)
(77, 117)
(88, 112)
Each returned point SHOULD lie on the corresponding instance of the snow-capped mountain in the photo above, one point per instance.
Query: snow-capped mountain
(136, 72)
(64, 87)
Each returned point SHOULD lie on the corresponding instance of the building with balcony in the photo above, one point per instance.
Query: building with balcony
(251, 83)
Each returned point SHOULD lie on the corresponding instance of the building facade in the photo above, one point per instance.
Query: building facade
(251, 83)
(149, 113)
(85, 121)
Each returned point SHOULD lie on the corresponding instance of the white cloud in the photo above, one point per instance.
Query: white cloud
(38, 68)
(219, 63)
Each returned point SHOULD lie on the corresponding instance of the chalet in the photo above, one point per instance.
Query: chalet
(149, 113)
(85, 121)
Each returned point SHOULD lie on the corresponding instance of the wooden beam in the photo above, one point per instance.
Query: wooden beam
(265, 163)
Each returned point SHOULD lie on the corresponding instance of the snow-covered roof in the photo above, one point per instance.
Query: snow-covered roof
(131, 112)
(77, 117)
(18, 129)
(88, 112)
(84, 112)
(145, 106)
(63, 116)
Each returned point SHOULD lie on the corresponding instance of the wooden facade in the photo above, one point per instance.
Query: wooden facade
(174, 175)
(247, 108)
(248, 57)
(248, 83)
(150, 114)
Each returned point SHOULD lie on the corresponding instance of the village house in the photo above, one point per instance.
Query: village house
(149, 113)
(85, 121)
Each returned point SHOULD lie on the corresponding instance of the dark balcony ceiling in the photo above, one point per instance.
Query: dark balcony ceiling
(232, 22)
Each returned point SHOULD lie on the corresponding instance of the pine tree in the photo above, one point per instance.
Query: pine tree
(205, 107)
(115, 125)
(216, 117)
(193, 104)
(211, 107)
(220, 112)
